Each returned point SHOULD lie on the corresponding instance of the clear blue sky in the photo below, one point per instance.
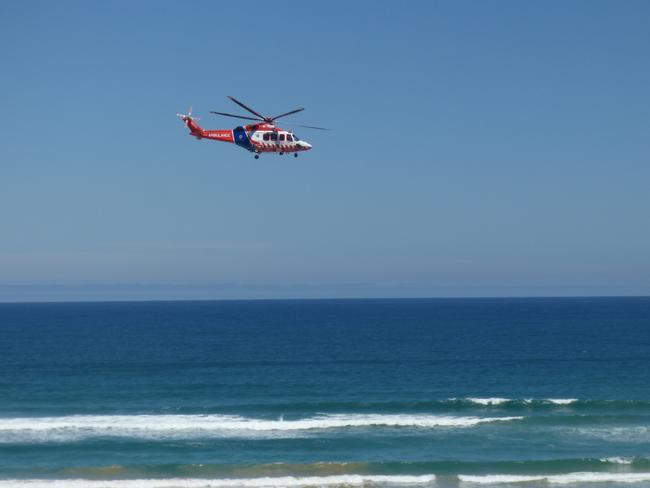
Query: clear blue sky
(479, 148)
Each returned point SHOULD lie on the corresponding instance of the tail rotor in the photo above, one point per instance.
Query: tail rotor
(188, 116)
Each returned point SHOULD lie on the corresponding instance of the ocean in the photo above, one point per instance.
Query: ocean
(391, 393)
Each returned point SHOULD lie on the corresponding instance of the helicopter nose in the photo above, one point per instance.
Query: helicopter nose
(306, 145)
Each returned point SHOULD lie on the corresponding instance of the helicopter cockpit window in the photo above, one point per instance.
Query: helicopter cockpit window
(289, 138)
(282, 137)
(266, 136)
(274, 136)
(295, 138)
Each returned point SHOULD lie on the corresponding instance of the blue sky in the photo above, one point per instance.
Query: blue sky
(479, 148)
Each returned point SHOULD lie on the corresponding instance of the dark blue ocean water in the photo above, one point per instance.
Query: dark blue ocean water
(440, 392)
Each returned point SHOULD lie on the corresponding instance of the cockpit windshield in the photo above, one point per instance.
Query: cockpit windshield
(295, 137)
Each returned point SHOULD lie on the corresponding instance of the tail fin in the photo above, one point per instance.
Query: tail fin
(190, 123)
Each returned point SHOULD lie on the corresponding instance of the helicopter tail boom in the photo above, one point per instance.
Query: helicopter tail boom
(195, 129)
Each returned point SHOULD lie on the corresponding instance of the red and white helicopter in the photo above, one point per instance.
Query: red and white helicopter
(261, 137)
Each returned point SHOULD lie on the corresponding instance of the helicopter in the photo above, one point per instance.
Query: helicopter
(262, 136)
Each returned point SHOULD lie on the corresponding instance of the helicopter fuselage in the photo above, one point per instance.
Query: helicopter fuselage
(256, 138)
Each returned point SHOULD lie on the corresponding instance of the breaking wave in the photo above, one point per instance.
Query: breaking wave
(77, 427)
(617, 460)
(334, 480)
(285, 481)
(458, 404)
(556, 479)
(530, 402)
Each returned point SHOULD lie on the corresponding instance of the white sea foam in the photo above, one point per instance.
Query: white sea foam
(489, 401)
(272, 482)
(558, 479)
(562, 401)
(329, 481)
(35, 429)
(618, 460)
(490, 479)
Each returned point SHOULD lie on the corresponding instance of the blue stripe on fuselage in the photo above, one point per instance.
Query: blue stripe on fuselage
(241, 138)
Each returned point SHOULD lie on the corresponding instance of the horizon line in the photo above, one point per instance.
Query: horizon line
(323, 299)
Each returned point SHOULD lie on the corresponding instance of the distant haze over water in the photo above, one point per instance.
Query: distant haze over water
(243, 291)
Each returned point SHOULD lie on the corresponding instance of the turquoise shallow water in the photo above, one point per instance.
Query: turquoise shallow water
(463, 392)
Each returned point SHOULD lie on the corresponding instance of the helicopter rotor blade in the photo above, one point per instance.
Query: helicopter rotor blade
(312, 127)
(247, 108)
(236, 116)
(288, 113)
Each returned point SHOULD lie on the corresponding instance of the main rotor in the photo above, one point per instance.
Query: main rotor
(261, 118)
